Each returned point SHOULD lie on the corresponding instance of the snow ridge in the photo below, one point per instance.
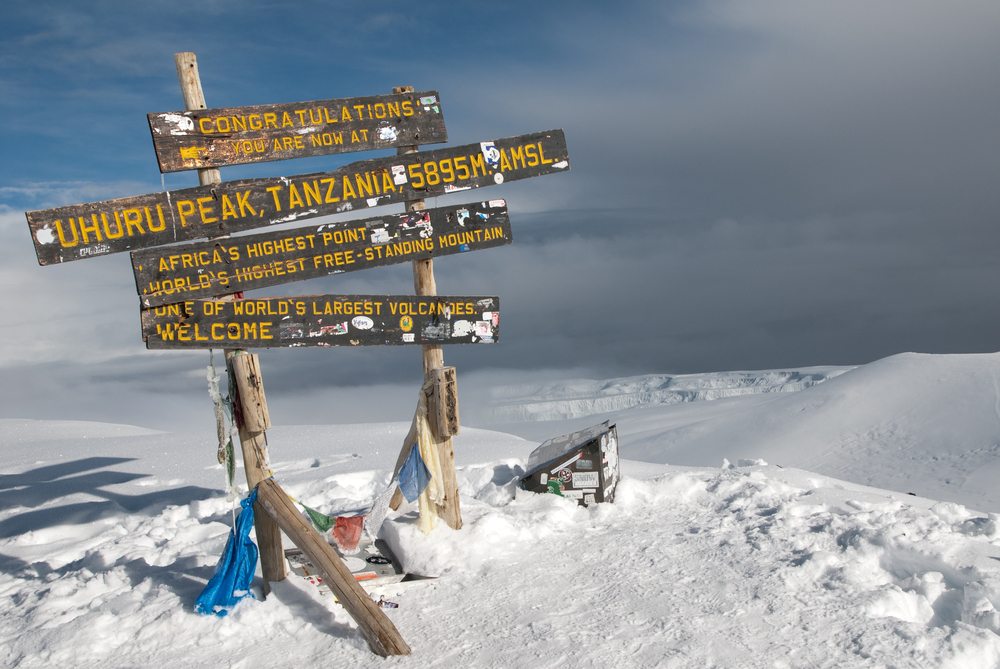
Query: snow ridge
(584, 397)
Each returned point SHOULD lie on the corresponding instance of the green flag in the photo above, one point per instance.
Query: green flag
(320, 521)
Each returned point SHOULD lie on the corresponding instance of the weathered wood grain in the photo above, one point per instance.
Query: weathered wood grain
(175, 273)
(98, 228)
(186, 140)
(322, 320)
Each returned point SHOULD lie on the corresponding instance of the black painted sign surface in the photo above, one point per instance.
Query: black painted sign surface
(187, 140)
(203, 269)
(87, 230)
(323, 320)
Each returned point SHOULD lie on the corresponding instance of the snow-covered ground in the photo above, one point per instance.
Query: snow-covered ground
(109, 532)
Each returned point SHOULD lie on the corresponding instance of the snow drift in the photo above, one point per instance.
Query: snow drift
(108, 533)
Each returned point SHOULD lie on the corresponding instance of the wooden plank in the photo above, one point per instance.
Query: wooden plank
(185, 140)
(382, 636)
(442, 404)
(98, 228)
(252, 412)
(176, 273)
(323, 320)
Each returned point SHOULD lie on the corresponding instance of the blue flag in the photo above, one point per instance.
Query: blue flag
(413, 476)
(234, 573)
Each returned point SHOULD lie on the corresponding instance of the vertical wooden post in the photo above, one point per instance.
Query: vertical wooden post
(424, 284)
(244, 369)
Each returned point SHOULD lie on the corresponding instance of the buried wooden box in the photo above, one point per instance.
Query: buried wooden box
(582, 465)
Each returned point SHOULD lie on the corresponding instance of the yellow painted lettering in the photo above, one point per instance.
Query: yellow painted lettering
(133, 220)
(94, 227)
(184, 209)
(206, 213)
(504, 161)
(348, 189)
(328, 196)
(243, 202)
(541, 154)
(273, 190)
(118, 232)
(71, 224)
(294, 199)
(228, 210)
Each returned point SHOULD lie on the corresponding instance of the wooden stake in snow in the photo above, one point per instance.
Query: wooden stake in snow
(424, 284)
(245, 370)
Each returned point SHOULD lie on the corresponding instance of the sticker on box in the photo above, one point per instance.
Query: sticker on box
(586, 479)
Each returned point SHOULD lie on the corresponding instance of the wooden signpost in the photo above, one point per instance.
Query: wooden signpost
(202, 269)
(186, 290)
(122, 224)
(322, 320)
(200, 138)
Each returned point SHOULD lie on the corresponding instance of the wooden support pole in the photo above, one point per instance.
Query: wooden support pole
(382, 636)
(424, 284)
(245, 373)
(250, 413)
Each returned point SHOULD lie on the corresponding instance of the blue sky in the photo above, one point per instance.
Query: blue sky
(754, 184)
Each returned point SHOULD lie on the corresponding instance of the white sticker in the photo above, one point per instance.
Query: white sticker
(408, 336)
(544, 478)
(182, 123)
(498, 178)
(589, 499)
(573, 494)
(362, 322)
(497, 203)
(461, 328)
(45, 235)
(398, 175)
(491, 154)
(387, 134)
(586, 479)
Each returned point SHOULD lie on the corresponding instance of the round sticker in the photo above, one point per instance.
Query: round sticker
(362, 322)
(565, 475)
(406, 323)
(498, 178)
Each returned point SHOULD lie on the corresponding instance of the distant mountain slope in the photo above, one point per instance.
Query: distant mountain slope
(929, 424)
(584, 397)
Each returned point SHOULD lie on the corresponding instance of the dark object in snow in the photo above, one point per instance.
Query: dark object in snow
(581, 465)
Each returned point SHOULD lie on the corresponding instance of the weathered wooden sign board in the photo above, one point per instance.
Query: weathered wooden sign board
(203, 269)
(86, 230)
(186, 140)
(323, 320)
